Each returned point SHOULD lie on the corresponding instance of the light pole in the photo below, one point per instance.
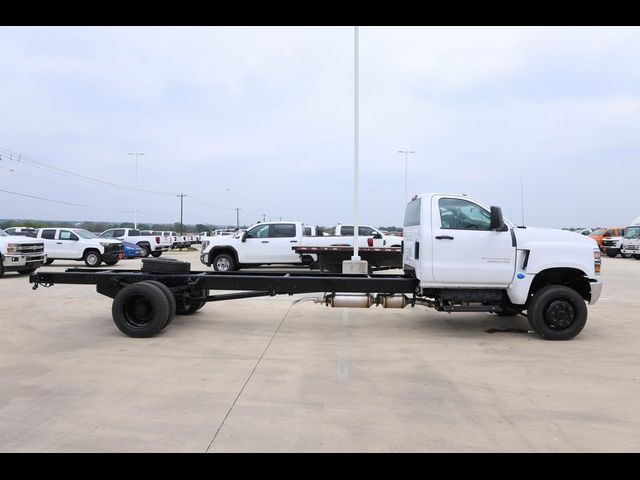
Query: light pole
(406, 170)
(226, 195)
(135, 214)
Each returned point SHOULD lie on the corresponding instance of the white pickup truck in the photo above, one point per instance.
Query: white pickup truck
(367, 231)
(151, 244)
(20, 254)
(79, 244)
(269, 243)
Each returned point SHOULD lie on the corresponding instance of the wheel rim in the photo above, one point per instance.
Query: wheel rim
(138, 311)
(223, 264)
(560, 315)
(92, 259)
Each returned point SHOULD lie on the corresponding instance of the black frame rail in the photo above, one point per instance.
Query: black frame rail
(274, 283)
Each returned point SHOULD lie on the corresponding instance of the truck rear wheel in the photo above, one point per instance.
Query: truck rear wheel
(557, 312)
(141, 310)
(92, 258)
(170, 297)
(156, 254)
(224, 262)
(146, 250)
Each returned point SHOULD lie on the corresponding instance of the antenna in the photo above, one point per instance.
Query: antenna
(522, 199)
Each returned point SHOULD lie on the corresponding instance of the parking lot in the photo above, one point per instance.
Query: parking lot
(265, 375)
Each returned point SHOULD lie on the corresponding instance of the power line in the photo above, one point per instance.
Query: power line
(75, 204)
(60, 171)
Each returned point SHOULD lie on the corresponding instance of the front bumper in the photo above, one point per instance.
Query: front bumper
(596, 290)
(19, 262)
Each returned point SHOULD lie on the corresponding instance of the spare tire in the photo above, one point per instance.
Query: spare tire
(165, 265)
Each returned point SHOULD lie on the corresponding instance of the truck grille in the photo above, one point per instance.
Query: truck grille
(114, 248)
(631, 247)
(608, 243)
(30, 248)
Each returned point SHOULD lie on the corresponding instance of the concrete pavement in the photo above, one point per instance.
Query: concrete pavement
(263, 375)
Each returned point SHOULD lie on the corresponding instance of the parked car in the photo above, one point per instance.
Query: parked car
(20, 254)
(601, 233)
(131, 250)
(79, 244)
(367, 231)
(22, 231)
(152, 244)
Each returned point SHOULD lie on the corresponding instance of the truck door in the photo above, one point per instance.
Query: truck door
(256, 247)
(282, 237)
(51, 248)
(466, 251)
(67, 243)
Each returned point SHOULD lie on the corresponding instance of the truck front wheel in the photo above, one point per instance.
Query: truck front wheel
(27, 271)
(156, 254)
(92, 258)
(557, 312)
(224, 263)
(146, 250)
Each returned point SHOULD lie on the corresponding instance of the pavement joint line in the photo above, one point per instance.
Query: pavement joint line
(248, 379)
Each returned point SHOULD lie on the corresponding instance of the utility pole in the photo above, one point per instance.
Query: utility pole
(181, 195)
(135, 212)
(406, 172)
(237, 218)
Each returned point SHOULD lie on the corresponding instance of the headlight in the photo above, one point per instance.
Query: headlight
(105, 244)
(597, 260)
(12, 248)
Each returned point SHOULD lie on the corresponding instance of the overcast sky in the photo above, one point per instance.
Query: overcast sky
(268, 114)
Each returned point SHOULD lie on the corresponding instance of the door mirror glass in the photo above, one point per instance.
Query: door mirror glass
(497, 222)
(243, 237)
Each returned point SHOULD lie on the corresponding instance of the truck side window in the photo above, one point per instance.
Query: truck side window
(365, 231)
(282, 230)
(48, 234)
(412, 214)
(307, 231)
(261, 231)
(346, 231)
(118, 233)
(458, 214)
(67, 235)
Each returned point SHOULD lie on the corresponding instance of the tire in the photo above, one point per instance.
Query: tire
(1, 265)
(92, 258)
(165, 265)
(612, 252)
(49, 261)
(224, 262)
(146, 250)
(637, 257)
(187, 308)
(625, 255)
(156, 254)
(111, 263)
(557, 312)
(27, 271)
(170, 297)
(140, 310)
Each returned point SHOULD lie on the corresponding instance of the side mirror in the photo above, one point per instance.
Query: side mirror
(497, 221)
(243, 238)
(377, 235)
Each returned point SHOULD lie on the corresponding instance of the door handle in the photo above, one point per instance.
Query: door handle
(293, 241)
(59, 243)
(444, 237)
(265, 241)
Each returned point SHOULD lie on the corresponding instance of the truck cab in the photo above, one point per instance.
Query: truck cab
(468, 257)
(631, 240)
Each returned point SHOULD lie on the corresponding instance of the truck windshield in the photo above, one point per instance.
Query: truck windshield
(84, 233)
(599, 231)
(632, 232)
(3, 233)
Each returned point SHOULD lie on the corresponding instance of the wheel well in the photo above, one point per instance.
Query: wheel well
(219, 250)
(569, 277)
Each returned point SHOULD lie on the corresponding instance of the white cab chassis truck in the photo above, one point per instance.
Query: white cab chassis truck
(20, 254)
(459, 255)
